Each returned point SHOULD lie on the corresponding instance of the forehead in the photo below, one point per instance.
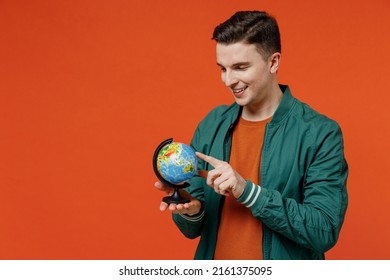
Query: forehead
(230, 54)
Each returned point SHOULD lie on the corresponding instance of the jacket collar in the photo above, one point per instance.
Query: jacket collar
(284, 107)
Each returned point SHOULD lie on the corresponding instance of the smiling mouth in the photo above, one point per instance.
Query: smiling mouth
(239, 91)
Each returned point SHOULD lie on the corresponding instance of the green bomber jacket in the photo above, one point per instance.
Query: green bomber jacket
(302, 199)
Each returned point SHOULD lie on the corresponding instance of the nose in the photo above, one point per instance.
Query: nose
(229, 78)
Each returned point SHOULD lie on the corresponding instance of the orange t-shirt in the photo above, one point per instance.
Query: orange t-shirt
(240, 234)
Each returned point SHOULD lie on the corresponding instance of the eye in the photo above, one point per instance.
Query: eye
(242, 68)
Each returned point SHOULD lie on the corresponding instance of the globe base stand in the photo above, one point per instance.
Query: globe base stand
(175, 198)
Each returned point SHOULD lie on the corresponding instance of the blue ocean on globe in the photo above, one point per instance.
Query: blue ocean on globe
(177, 163)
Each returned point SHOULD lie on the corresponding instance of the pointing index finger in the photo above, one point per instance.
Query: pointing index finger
(209, 159)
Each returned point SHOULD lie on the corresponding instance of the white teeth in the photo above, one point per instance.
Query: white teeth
(239, 90)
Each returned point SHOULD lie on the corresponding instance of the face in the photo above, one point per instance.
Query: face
(247, 74)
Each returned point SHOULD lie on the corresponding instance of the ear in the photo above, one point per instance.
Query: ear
(274, 62)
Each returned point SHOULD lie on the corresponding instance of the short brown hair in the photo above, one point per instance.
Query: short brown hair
(252, 27)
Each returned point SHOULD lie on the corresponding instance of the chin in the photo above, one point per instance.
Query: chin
(241, 101)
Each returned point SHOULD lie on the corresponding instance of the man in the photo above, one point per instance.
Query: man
(273, 175)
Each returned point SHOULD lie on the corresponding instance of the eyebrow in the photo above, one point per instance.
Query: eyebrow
(235, 64)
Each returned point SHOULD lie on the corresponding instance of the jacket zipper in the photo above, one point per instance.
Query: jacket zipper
(265, 236)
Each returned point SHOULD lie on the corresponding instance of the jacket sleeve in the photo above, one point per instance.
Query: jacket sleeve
(316, 220)
(190, 226)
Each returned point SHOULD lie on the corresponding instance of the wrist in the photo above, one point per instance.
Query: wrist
(240, 188)
(195, 217)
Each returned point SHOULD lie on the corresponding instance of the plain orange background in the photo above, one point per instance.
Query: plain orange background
(88, 89)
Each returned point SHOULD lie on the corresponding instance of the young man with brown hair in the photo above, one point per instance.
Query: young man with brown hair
(273, 175)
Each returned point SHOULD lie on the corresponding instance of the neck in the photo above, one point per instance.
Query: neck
(264, 108)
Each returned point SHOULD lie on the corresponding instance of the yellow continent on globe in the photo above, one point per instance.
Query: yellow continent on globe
(188, 168)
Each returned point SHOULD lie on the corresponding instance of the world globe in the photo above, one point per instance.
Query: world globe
(177, 163)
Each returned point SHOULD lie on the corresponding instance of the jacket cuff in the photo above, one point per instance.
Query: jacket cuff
(250, 195)
(194, 218)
